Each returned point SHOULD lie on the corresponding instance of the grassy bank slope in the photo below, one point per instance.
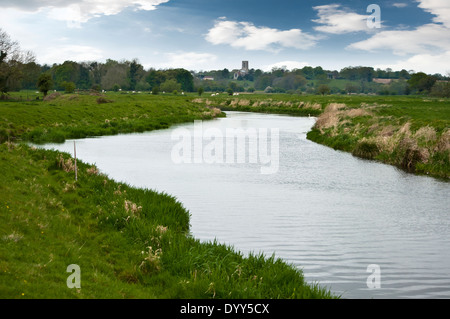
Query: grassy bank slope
(128, 242)
(60, 117)
(266, 103)
(410, 133)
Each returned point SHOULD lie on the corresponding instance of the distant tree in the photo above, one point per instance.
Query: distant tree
(66, 72)
(230, 91)
(115, 73)
(31, 72)
(323, 89)
(69, 87)
(135, 73)
(12, 61)
(170, 86)
(155, 90)
(421, 82)
(116, 87)
(45, 83)
(351, 87)
(200, 91)
(225, 74)
(441, 89)
(155, 78)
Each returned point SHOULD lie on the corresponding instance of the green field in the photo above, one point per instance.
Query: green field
(128, 242)
(81, 115)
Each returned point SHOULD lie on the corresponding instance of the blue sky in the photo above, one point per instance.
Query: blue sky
(216, 34)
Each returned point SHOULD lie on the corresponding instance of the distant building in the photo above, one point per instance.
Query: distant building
(208, 78)
(245, 66)
(242, 72)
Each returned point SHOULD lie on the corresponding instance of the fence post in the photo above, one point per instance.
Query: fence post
(75, 155)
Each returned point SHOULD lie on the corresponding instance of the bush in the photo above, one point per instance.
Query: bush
(367, 150)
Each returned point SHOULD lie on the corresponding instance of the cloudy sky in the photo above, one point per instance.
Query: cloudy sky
(216, 34)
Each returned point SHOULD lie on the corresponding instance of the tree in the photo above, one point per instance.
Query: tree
(12, 61)
(135, 73)
(170, 86)
(69, 87)
(323, 89)
(421, 82)
(66, 72)
(45, 83)
(200, 91)
(115, 73)
(441, 89)
(183, 77)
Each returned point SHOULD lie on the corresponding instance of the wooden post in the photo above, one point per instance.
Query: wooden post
(75, 155)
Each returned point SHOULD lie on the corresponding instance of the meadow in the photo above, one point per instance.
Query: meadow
(128, 242)
(63, 116)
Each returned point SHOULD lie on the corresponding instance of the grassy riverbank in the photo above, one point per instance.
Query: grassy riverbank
(128, 242)
(66, 116)
(412, 133)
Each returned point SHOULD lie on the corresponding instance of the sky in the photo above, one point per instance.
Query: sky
(203, 35)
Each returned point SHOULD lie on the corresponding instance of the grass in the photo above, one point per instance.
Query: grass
(128, 242)
(67, 116)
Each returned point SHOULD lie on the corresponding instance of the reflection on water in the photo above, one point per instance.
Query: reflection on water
(325, 211)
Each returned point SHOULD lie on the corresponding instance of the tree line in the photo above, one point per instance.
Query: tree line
(19, 70)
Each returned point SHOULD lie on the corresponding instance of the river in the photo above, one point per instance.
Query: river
(360, 228)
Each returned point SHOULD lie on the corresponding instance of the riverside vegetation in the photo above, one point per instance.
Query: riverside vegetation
(128, 242)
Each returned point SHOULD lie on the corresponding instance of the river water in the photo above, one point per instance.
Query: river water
(360, 228)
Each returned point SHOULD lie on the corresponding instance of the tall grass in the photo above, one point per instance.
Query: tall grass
(128, 242)
(410, 133)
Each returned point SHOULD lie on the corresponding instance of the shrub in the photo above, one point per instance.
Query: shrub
(365, 149)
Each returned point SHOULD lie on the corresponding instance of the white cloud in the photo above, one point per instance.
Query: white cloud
(250, 37)
(400, 5)
(424, 39)
(439, 8)
(428, 63)
(80, 11)
(288, 65)
(189, 60)
(426, 48)
(61, 53)
(335, 20)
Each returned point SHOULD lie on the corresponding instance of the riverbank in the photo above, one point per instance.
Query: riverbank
(69, 116)
(128, 242)
(412, 133)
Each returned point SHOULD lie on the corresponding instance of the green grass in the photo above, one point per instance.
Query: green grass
(412, 133)
(80, 116)
(49, 221)
(128, 242)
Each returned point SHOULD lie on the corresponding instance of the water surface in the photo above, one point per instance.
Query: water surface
(325, 211)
